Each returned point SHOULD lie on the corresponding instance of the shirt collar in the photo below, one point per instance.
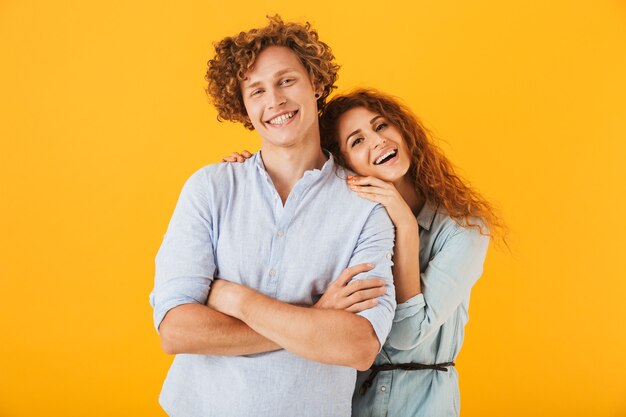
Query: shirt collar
(324, 171)
(426, 216)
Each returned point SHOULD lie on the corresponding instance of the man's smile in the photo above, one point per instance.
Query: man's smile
(282, 118)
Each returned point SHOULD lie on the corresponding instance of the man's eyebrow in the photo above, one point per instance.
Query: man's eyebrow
(283, 72)
(253, 85)
(278, 74)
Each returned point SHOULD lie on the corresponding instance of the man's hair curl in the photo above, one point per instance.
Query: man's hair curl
(235, 55)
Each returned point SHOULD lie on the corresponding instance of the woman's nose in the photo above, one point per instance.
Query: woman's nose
(379, 142)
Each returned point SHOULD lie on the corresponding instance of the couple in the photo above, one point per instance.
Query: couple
(274, 280)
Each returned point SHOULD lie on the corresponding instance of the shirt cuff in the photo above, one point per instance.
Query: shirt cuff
(409, 308)
(178, 291)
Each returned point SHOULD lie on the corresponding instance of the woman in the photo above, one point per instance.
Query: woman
(442, 234)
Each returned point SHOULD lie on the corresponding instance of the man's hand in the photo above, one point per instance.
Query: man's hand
(353, 296)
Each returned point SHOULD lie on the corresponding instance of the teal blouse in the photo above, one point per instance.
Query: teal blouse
(429, 327)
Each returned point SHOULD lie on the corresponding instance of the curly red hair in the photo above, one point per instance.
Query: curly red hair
(432, 173)
(235, 55)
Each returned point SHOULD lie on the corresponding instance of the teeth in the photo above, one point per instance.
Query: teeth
(385, 155)
(282, 119)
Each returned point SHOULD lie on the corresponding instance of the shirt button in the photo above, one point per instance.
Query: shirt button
(388, 255)
(383, 388)
(280, 233)
(272, 272)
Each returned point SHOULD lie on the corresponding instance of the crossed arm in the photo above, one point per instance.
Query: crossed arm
(239, 320)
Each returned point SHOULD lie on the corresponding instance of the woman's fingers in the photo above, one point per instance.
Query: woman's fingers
(371, 181)
(376, 198)
(237, 157)
(372, 190)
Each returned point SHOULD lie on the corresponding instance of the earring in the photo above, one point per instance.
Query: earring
(317, 95)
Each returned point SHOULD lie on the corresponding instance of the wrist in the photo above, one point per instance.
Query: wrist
(229, 298)
(408, 225)
(238, 301)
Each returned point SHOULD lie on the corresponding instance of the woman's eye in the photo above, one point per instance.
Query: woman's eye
(255, 93)
(356, 142)
(381, 127)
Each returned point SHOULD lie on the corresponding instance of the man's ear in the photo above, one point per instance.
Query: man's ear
(317, 90)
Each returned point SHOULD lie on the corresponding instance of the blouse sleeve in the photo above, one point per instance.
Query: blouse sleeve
(446, 282)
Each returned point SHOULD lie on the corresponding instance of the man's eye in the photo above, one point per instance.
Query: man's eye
(381, 127)
(287, 81)
(356, 142)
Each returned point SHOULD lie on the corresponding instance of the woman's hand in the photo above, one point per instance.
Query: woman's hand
(353, 296)
(237, 157)
(406, 265)
(385, 193)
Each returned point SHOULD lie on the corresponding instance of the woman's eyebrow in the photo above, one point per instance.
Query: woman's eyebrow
(375, 118)
(352, 134)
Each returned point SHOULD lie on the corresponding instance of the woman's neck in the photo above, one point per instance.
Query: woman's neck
(406, 188)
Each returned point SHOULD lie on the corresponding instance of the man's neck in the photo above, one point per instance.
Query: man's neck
(286, 166)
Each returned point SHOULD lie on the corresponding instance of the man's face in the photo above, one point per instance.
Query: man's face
(280, 99)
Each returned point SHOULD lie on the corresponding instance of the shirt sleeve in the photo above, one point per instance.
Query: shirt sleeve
(375, 245)
(446, 282)
(185, 263)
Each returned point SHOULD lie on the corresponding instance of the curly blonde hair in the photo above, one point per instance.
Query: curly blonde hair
(432, 173)
(235, 55)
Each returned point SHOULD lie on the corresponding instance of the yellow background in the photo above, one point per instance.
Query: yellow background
(103, 116)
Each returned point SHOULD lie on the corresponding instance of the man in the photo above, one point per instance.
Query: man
(276, 230)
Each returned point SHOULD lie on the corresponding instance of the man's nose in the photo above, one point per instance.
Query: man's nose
(276, 98)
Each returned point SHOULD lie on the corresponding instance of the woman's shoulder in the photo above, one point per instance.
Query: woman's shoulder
(445, 228)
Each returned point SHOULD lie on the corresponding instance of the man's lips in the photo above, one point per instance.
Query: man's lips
(281, 118)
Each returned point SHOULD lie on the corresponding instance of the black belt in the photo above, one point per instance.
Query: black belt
(405, 367)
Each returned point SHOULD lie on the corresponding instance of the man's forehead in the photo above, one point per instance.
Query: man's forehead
(272, 63)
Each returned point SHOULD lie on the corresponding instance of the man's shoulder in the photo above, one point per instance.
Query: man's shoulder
(336, 185)
(221, 173)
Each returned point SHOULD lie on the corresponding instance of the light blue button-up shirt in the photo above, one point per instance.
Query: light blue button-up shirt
(429, 327)
(230, 223)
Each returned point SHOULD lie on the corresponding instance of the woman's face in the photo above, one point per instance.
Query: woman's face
(371, 146)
